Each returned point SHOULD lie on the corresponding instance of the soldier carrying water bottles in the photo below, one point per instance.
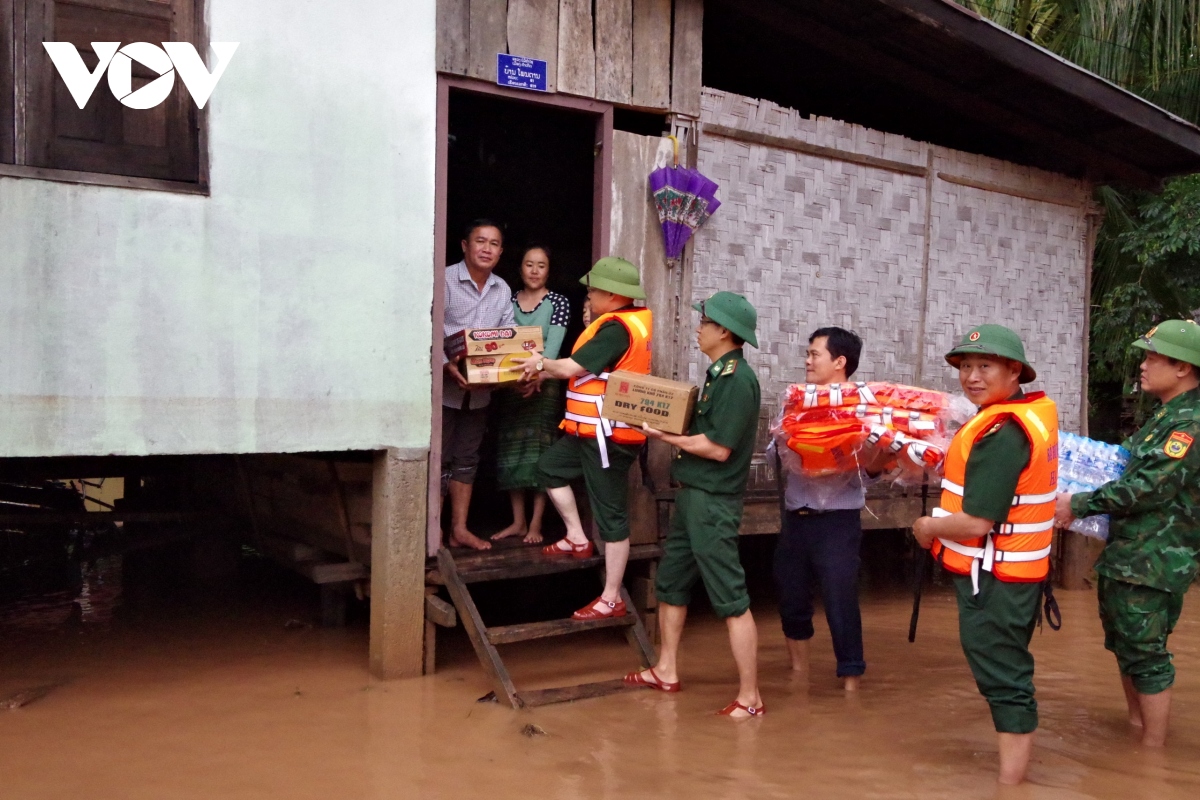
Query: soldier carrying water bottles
(1149, 560)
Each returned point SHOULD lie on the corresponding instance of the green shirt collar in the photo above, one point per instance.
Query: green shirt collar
(1190, 398)
(719, 364)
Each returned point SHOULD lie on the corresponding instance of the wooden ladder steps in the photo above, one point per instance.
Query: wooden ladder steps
(484, 639)
(507, 634)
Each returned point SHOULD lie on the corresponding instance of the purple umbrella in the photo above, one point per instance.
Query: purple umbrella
(684, 199)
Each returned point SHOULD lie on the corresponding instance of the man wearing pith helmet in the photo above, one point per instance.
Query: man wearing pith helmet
(712, 467)
(1149, 559)
(993, 526)
(599, 451)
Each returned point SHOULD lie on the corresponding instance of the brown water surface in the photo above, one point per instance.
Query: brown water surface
(233, 704)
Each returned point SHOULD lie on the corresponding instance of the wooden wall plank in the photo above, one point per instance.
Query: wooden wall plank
(489, 36)
(453, 35)
(686, 55)
(576, 52)
(636, 236)
(533, 33)
(614, 50)
(652, 53)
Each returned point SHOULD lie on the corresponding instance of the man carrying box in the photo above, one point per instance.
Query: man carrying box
(1149, 560)
(712, 468)
(475, 298)
(599, 451)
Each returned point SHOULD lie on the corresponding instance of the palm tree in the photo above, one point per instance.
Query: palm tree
(1151, 47)
(1145, 262)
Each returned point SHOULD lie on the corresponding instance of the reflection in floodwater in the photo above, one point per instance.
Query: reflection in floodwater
(90, 602)
(222, 699)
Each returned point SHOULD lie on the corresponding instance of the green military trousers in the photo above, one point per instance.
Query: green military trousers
(1137, 621)
(703, 543)
(573, 457)
(995, 627)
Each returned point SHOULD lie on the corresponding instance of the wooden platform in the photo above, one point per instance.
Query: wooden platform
(456, 570)
(523, 561)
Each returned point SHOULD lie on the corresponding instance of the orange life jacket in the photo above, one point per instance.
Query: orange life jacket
(1018, 549)
(585, 393)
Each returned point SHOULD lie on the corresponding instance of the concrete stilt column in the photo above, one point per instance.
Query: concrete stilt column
(398, 562)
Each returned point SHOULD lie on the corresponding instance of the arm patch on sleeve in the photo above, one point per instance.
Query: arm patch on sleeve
(1178, 444)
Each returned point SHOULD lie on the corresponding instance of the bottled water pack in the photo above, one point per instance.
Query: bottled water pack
(1085, 465)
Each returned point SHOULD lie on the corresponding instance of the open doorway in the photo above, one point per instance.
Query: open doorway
(532, 167)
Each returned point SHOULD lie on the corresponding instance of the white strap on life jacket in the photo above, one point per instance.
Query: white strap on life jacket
(1034, 499)
(810, 395)
(1018, 500)
(865, 395)
(986, 557)
(1026, 527)
(835, 394)
(604, 427)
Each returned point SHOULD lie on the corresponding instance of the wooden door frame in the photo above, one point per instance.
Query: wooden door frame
(601, 222)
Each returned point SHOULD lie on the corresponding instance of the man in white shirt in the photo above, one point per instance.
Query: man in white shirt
(475, 298)
(822, 532)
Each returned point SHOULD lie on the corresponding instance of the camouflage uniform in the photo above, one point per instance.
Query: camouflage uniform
(1149, 560)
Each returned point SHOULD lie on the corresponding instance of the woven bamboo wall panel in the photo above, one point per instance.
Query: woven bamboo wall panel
(816, 241)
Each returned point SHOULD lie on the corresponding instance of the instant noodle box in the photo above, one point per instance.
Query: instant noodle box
(502, 368)
(494, 341)
(662, 404)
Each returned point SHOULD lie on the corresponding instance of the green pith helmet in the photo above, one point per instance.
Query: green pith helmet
(615, 275)
(1176, 338)
(993, 340)
(733, 313)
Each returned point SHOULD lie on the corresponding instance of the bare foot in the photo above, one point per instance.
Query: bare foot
(1135, 720)
(516, 529)
(464, 538)
(850, 683)
(534, 536)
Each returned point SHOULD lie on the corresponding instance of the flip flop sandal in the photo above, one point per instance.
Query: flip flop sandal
(636, 679)
(574, 550)
(754, 713)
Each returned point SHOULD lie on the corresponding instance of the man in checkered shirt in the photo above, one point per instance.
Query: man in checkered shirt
(475, 298)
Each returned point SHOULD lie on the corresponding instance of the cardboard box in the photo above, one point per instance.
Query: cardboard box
(662, 404)
(493, 369)
(494, 341)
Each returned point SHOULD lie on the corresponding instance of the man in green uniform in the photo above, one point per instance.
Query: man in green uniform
(1149, 560)
(996, 622)
(712, 468)
(613, 285)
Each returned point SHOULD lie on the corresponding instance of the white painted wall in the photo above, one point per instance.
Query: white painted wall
(288, 311)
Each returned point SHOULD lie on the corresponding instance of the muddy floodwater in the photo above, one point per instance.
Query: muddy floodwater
(232, 701)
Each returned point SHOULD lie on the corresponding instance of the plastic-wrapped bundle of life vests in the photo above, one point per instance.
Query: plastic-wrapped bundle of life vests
(826, 427)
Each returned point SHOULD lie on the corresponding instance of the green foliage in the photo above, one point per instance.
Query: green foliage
(1147, 261)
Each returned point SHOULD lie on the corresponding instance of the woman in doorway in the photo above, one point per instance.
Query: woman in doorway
(529, 424)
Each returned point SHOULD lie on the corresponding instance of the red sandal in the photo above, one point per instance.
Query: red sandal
(614, 608)
(754, 713)
(636, 679)
(574, 550)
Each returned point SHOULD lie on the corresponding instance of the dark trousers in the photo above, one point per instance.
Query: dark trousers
(822, 549)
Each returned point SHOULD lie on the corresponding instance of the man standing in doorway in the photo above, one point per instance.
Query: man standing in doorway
(1149, 560)
(475, 298)
(712, 467)
(822, 532)
(993, 528)
(599, 451)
